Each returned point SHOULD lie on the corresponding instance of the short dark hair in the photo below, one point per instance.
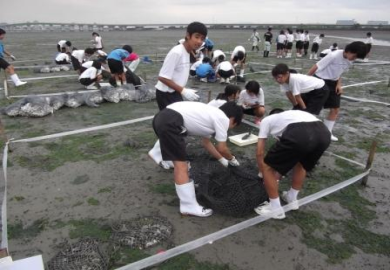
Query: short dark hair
(68, 43)
(231, 109)
(280, 69)
(94, 33)
(230, 89)
(127, 48)
(2, 31)
(253, 87)
(275, 111)
(221, 58)
(206, 60)
(322, 35)
(97, 64)
(357, 47)
(89, 51)
(369, 34)
(197, 27)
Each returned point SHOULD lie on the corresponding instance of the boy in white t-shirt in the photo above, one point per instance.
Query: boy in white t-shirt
(302, 139)
(330, 69)
(97, 41)
(305, 93)
(180, 119)
(369, 41)
(230, 93)
(252, 100)
(91, 76)
(237, 59)
(316, 44)
(62, 58)
(78, 57)
(64, 45)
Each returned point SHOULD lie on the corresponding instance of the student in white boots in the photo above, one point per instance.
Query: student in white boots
(91, 76)
(330, 69)
(180, 119)
(315, 46)
(237, 59)
(255, 38)
(302, 139)
(5, 65)
(173, 78)
(306, 93)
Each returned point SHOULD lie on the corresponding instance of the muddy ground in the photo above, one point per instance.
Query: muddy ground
(76, 186)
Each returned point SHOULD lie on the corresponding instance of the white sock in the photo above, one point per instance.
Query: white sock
(118, 83)
(14, 78)
(293, 194)
(241, 73)
(275, 203)
(329, 124)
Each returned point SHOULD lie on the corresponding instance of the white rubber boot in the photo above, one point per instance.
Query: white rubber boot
(315, 57)
(155, 154)
(188, 203)
(311, 56)
(16, 80)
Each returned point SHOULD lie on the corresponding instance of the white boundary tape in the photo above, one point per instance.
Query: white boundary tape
(4, 233)
(48, 77)
(363, 83)
(364, 100)
(209, 239)
(32, 60)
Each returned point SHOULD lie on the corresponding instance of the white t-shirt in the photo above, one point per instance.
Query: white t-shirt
(282, 38)
(225, 66)
(62, 43)
(195, 65)
(300, 84)
(217, 103)
(302, 37)
(290, 37)
(216, 54)
(369, 40)
(91, 73)
(88, 64)
(236, 50)
(98, 42)
(306, 37)
(101, 53)
(176, 67)
(245, 98)
(317, 40)
(276, 124)
(62, 56)
(332, 66)
(79, 55)
(202, 120)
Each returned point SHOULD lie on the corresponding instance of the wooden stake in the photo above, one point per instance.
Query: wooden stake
(369, 161)
(209, 96)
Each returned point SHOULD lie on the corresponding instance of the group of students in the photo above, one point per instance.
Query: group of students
(302, 137)
(90, 62)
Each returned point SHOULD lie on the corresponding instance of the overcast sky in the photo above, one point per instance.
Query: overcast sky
(185, 11)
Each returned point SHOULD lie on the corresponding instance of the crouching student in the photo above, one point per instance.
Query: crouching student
(62, 58)
(91, 76)
(225, 71)
(217, 57)
(114, 60)
(132, 61)
(230, 93)
(180, 119)
(205, 71)
(302, 139)
(305, 92)
(5, 65)
(78, 57)
(237, 59)
(252, 100)
(64, 46)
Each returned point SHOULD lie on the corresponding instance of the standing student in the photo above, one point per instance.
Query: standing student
(299, 42)
(115, 62)
(280, 44)
(290, 40)
(64, 44)
(97, 41)
(302, 139)
(316, 45)
(252, 100)
(306, 42)
(78, 57)
(91, 76)
(237, 59)
(330, 69)
(267, 42)
(173, 78)
(255, 38)
(369, 41)
(230, 93)
(5, 65)
(180, 119)
(305, 93)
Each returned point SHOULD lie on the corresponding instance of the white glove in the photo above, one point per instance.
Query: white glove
(12, 57)
(189, 94)
(224, 162)
(234, 162)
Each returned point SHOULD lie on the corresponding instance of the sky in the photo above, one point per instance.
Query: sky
(186, 11)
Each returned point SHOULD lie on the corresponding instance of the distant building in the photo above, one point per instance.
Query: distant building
(378, 23)
(346, 22)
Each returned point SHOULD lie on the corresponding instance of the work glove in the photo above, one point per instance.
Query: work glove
(224, 162)
(12, 57)
(234, 162)
(189, 94)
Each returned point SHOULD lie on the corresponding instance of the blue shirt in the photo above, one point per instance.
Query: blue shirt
(1, 49)
(118, 54)
(204, 70)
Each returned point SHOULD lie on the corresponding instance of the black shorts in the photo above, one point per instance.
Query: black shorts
(192, 72)
(314, 48)
(333, 100)
(280, 46)
(169, 128)
(299, 44)
(322, 55)
(302, 142)
(165, 98)
(225, 74)
(63, 62)
(4, 64)
(306, 45)
(315, 99)
(289, 45)
(235, 59)
(115, 66)
(75, 63)
(87, 81)
(368, 47)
